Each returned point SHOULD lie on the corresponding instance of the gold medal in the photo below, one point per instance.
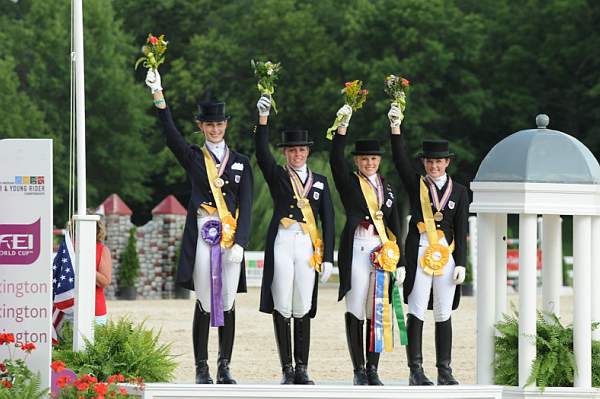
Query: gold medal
(302, 202)
(438, 216)
(219, 182)
(379, 215)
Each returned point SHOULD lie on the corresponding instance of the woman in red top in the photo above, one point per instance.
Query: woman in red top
(103, 272)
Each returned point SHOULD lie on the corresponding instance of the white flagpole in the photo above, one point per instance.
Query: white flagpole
(85, 225)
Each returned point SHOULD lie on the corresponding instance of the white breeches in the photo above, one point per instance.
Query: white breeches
(359, 300)
(230, 272)
(443, 288)
(293, 277)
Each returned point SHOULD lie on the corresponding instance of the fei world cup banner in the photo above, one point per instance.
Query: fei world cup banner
(26, 250)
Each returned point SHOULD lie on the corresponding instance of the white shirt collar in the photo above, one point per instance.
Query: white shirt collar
(440, 181)
(302, 172)
(374, 180)
(217, 148)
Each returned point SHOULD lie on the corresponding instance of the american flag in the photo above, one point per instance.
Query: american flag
(63, 284)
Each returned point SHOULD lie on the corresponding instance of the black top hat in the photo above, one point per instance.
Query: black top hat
(367, 147)
(212, 111)
(294, 138)
(435, 149)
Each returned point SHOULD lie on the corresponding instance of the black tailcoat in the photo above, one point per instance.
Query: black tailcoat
(284, 203)
(454, 225)
(237, 193)
(357, 211)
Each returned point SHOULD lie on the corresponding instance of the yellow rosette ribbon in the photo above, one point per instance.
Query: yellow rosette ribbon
(388, 256)
(229, 225)
(316, 260)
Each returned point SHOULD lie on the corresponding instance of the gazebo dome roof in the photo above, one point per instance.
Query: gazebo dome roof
(539, 156)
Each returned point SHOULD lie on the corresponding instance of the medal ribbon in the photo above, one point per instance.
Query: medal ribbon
(372, 200)
(307, 212)
(378, 188)
(439, 204)
(300, 190)
(224, 214)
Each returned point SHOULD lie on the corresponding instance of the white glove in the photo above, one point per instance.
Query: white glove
(400, 276)
(346, 113)
(326, 269)
(264, 105)
(395, 115)
(459, 274)
(236, 254)
(153, 80)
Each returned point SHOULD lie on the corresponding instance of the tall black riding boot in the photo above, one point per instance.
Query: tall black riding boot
(414, 328)
(372, 359)
(443, 352)
(200, 329)
(354, 336)
(226, 338)
(301, 349)
(283, 336)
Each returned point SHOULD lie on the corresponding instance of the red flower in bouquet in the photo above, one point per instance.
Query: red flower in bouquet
(154, 52)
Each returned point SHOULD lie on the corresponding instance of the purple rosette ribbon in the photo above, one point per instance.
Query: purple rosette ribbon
(211, 234)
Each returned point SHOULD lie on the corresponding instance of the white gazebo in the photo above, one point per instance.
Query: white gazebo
(537, 172)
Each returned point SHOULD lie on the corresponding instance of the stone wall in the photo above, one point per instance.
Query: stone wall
(157, 244)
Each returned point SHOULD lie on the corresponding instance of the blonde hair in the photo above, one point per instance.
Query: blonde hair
(100, 230)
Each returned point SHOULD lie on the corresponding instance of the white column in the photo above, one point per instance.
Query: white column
(551, 264)
(527, 294)
(85, 280)
(500, 243)
(473, 249)
(582, 333)
(596, 275)
(485, 297)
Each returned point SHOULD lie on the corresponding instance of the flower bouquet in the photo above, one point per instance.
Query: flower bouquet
(154, 52)
(354, 96)
(266, 72)
(397, 88)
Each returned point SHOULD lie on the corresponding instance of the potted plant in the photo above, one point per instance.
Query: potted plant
(129, 268)
(179, 292)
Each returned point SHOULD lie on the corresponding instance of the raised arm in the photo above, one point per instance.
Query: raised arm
(337, 162)
(327, 215)
(266, 161)
(400, 157)
(175, 141)
(242, 233)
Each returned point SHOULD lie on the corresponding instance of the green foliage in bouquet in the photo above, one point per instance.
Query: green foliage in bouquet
(129, 267)
(554, 365)
(120, 348)
(267, 73)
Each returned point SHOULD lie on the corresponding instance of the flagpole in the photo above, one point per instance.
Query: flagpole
(85, 247)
